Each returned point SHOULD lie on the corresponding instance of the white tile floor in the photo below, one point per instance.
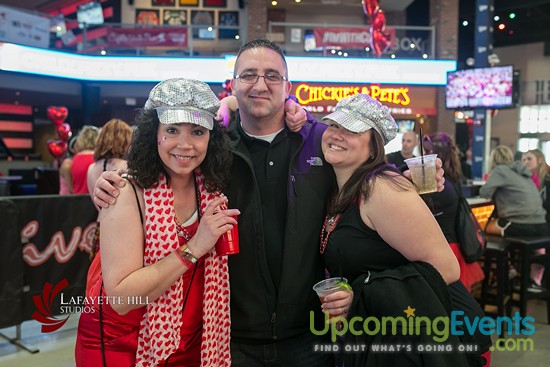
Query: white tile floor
(57, 348)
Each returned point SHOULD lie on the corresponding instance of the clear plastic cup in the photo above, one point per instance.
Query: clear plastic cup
(423, 172)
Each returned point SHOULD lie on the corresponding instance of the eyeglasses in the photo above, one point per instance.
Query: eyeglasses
(269, 78)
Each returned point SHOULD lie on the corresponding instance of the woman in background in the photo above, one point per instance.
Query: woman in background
(535, 162)
(65, 177)
(85, 143)
(518, 202)
(445, 203)
(110, 151)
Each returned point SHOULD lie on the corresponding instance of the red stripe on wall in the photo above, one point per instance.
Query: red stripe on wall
(15, 109)
(16, 126)
(18, 143)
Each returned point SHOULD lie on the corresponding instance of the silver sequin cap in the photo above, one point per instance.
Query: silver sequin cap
(361, 112)
(184, 101)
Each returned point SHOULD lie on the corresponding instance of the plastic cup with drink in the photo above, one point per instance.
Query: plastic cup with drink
(423, 172)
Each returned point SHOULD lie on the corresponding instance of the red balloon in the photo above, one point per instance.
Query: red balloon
(57, 147)
(379, 41)
(64, 131)
(57, 114)
(370, 6)
(378, 20)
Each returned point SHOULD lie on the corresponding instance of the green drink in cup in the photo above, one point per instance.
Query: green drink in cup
(331, 285)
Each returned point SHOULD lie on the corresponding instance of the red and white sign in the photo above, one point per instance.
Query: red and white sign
(147, 37)
(345, 37)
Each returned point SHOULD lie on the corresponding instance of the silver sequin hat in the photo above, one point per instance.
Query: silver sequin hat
(361, 112)
(184, 101)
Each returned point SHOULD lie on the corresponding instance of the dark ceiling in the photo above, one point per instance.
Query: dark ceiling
(530, 24)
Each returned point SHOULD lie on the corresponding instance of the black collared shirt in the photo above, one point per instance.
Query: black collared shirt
(271, 164)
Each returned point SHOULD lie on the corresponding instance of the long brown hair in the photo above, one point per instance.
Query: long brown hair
(361, 182)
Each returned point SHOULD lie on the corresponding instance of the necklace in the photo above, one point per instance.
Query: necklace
(328, 226)
(181, 230)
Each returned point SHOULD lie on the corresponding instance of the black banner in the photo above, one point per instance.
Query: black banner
(52, 243)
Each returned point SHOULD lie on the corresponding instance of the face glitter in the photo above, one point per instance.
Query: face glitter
(161, 140)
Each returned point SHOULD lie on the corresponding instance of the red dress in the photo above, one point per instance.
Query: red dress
(79, 172)
(120, 332)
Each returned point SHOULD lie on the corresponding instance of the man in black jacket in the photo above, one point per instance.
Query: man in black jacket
(279, 182)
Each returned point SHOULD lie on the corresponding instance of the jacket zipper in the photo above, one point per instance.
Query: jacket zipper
(273, 321)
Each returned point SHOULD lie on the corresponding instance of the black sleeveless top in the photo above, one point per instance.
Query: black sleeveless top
(353, 248)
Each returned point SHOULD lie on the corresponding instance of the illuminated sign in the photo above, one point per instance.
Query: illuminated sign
(307, 94)
(23, 59)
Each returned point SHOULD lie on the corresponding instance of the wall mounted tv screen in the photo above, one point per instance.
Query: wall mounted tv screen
(480, 88)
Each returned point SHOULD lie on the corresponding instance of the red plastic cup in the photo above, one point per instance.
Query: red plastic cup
(228, 243)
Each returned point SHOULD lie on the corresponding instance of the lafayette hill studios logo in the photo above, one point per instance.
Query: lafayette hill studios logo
(43, 303)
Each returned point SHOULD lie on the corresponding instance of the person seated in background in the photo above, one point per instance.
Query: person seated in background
(517, 201)
(110, 150)
(408, 143)
(85, 143)
(445, 203)
(534, 160)
(65, 176)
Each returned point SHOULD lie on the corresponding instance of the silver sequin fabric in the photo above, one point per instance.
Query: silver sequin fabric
(184, 101)
(361, 112)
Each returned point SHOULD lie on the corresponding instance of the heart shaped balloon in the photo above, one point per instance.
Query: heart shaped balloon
(64, 131)
(370, 6)
(378, 20)
(57, 147)
(57, 114)
(379, 41)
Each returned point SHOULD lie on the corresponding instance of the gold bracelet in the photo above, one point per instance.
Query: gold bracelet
(186, 257)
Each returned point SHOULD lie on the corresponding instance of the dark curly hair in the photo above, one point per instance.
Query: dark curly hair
(145, 165)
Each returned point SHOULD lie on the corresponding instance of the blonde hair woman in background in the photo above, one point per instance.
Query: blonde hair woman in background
(534, 160)
(85, 143)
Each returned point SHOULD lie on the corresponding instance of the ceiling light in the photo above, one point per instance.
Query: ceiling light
(465, 23)
(501, 26)
(512, 15)
(425, 56)
(273, 3)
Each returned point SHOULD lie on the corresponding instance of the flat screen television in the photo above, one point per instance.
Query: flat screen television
(89, 13)
(480, 88)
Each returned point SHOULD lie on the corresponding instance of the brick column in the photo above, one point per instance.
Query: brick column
(257, 19)
(444, 17)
